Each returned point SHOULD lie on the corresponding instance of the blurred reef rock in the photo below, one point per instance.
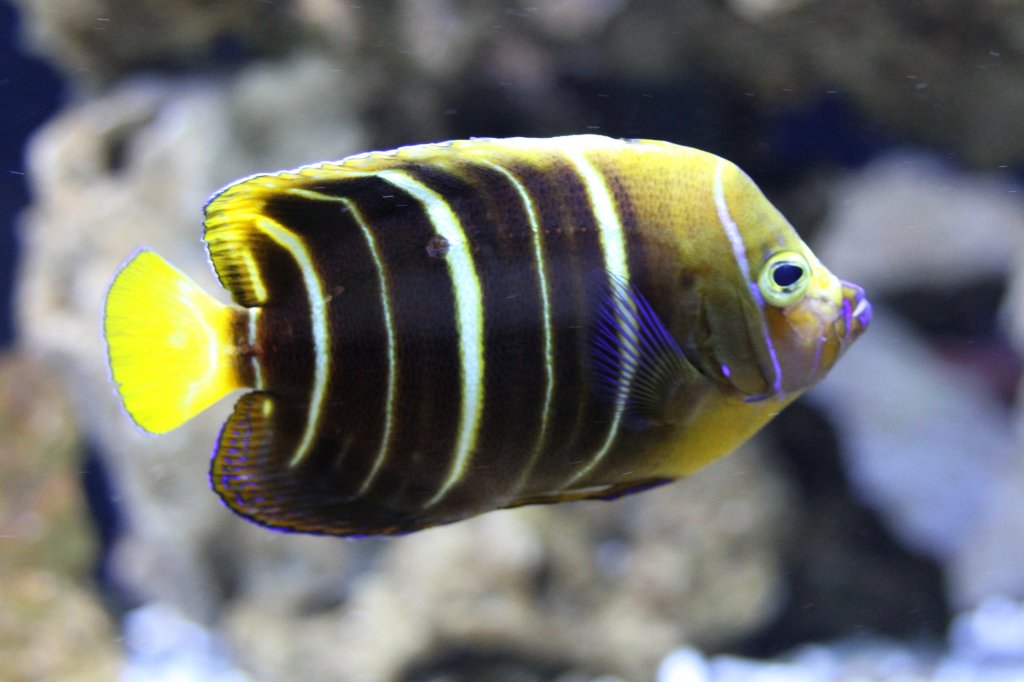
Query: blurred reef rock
(612, 586)
(133, 168)
(911, 472)
(592, 587)
(986, 644)
(929, 71)
(98, 41)
(929, 439)
(52, 624)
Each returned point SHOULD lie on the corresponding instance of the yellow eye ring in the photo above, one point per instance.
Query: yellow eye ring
(784, 278)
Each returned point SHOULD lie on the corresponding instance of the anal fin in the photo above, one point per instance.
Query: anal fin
(245, 459)
(251, 472)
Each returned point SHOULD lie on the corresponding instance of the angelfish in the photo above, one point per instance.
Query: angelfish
(433, 332)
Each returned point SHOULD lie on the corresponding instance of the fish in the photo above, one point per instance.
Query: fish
(429, 333)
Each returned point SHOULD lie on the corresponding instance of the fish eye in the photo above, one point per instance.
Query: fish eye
(784, 278)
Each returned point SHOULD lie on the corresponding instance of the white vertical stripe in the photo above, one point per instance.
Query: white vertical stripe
(385, 302)
(613, 246)
(469, 320)
(542, 284)
(318, 321)
(257, 368)
(739, 251)
(389, 328)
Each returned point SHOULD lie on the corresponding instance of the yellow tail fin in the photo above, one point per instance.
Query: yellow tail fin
(171, 345)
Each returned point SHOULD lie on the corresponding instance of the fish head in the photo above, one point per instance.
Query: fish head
(767, 319)
(810, 316)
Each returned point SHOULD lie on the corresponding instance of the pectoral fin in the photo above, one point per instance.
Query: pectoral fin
(635, 359)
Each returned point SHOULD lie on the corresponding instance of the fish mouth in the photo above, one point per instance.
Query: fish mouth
(856, 312)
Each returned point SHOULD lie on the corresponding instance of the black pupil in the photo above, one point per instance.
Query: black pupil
(787, 274)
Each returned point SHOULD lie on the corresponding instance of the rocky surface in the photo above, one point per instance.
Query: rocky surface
(926, 71)
(924, 412)
(929, 439)
(606, 586)
(96, 41)
(941, 228)
(590, 586)
(933, 450)
(985, 645)
(134, 169)
(52, 624)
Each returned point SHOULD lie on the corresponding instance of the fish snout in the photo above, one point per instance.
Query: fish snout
(856, 311)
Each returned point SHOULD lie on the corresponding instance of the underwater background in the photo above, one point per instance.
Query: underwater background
(874, 531)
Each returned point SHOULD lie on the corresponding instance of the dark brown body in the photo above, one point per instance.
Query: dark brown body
(421, 329)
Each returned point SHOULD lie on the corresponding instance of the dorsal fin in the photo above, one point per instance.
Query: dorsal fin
(235, 243)
(242, 217)
(295, 200)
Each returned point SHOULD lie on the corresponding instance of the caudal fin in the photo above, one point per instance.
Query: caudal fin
(171, 345)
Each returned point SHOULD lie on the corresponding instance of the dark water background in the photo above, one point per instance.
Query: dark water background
(30, 91)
